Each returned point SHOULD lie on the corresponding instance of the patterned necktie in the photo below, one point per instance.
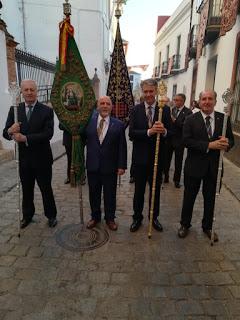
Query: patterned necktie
(208, 126)
(100, 128)
(149, 117)
(29, 112)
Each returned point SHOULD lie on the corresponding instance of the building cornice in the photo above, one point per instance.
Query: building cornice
(171, 23)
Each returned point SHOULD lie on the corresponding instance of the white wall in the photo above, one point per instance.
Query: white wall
(89, 18)
(5, 100)
(224, 49)
(178, 24)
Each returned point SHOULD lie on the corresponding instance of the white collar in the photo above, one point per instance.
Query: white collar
(148, 105)
(180, 109)
(106, 119)
(31, 104)
(211, 115)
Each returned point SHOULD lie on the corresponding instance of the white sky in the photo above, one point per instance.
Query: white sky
(138, 26)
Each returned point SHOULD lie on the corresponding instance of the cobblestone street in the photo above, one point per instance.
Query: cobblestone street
(131, 277)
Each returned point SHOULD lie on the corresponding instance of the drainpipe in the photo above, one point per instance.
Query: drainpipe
(24, 25)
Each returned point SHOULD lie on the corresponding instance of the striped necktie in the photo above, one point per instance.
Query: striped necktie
(149, 117)
(100, 128)
(208, 126)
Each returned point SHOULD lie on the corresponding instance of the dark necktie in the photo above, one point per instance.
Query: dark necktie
(208, 126)
(149, 116)
(29, 112)
(100, 128)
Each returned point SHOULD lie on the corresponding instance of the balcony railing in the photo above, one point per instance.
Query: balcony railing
(193, 42)
(164, 68)
(176, 62)
(157, 72)
(214, 20)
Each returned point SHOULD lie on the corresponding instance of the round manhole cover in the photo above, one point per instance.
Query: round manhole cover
(75, 237)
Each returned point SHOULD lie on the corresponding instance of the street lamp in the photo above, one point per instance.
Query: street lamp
(118, 11)
(67, 8)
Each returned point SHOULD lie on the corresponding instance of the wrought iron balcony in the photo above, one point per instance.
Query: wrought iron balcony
(193, 42)
(157, 72)
(214, 21)
(176, 63)
(164, 68)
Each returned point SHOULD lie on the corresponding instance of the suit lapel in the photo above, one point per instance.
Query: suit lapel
(111, 124)
(217, 125)
(35, 114)
(94, 126)
(142, 114)
(22, 118)
(202, 125)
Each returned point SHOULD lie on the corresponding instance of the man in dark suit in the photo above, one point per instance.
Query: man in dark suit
(143, 129)
(106, 160)
(33, 133)
(175, 143)
(202, 136)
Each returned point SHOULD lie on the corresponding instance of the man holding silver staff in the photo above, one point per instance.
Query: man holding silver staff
(143, 129)
(202, 136)
(33, 132)
(106, 160)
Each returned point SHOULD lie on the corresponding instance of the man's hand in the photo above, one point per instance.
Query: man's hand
(15, 128)
(158, 127)
(173, 118)
(120, 172)
(18, 137)
(220, 144)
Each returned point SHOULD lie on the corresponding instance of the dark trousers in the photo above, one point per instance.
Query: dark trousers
(144, 174)
(192, 186)
(43, 176)
(69, 159)
(178, 152)
(108, 183)
(132, 171)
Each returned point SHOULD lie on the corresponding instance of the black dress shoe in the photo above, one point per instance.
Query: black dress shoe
(67, 181)
(135, 225)
(24, 223)
(52, 222)
(157, 225)
(177, 185)
(182, 232)
(209, 234)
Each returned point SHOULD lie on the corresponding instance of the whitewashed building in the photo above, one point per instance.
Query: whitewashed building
(170, 51)
(198, 48)
(35, 28)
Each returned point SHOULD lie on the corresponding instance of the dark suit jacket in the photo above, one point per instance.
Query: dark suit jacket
(143, 145)
(109, 156)
(199, 160)
(39, 131)
(67, 137)
(177, 126)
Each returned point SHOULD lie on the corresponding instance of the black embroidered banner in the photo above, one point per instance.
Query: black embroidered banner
(119, 87)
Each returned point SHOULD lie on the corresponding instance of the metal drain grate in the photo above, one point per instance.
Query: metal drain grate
(75, 237)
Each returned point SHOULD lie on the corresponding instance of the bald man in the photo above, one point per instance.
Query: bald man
(202, 136)
(33, 133)
(106, 160)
